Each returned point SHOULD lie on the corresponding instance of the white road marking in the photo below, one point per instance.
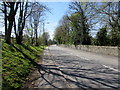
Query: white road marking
(83, 57)
(86, 58)
(111, 68)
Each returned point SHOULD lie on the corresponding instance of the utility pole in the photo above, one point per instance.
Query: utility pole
(44, 31)
(43, 27)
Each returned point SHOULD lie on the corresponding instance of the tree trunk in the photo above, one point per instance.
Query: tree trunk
(32, 42)
(19, 39)
(5, 19)
(21, 22)
(9, 30)
(36, 37)
(10, 18)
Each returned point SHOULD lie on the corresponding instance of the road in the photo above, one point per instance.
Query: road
(70, 68)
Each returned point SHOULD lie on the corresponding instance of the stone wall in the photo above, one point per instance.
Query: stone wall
(109, 50)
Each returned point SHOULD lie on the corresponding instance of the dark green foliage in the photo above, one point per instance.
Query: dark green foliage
(84, 18)
(115, 34)
(102, 38)
(16, 66)
(86, 40)
(76, 32)
(105, 38)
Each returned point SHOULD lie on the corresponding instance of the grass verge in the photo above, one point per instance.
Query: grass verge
(16, 67)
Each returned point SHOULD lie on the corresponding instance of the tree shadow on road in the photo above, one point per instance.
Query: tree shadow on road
(66, 76)
(57, 72)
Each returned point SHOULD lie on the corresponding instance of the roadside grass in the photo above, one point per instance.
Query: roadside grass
(16, 67)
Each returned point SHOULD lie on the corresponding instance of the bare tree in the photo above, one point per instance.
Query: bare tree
(9, 10)
(38, 11)
(21, 21)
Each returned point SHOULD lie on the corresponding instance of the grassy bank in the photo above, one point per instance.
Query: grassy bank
(16, 66)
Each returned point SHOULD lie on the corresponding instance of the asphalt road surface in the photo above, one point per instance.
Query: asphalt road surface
(70, 68)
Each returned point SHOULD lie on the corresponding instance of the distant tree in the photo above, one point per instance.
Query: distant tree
(64, 25)
(45, 38)
(102, 38)
(75, 28)
(50, 42)
(28, 34)
(38, 11)
(58, 35)
(93, 41)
